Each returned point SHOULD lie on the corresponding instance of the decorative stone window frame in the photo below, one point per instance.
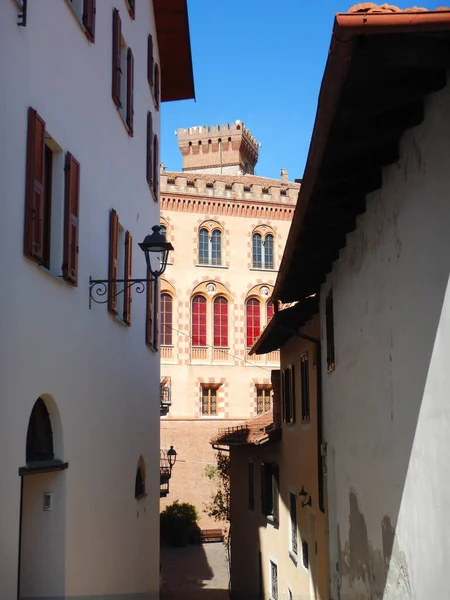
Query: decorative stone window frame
(264, 230)
(263, 293)
(211, 290)
(212, 225)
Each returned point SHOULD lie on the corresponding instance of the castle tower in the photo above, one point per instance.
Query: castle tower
(222, 149)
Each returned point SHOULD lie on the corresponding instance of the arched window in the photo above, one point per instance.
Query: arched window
(199, 321)
(269, 311)
(253, 321)
(220, 322)
(163, 230)
(166, 319)
(209, 247)
(39, 434)
(268, 251)
(139, 482)
(257, 251)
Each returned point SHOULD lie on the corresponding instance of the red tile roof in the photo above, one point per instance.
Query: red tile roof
(245, 179)
(254, 431)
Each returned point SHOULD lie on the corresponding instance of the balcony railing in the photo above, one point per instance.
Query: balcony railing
(165, 473)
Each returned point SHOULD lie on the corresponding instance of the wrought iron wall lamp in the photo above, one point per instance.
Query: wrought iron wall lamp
(303, 494)
(156, 250)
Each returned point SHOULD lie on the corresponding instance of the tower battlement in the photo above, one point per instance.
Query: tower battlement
(228, 149)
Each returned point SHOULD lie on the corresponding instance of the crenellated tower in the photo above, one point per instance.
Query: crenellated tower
(228, 149)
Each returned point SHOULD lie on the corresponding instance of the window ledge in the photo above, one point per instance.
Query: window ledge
(210, 417)
(122, 118)
(119, 321)
(141, 496)
(77, 19)
(212, 266)
(52, 275)
(272, 520)
(265, 270)
(155, 199)
(152, 349)
(293, 557)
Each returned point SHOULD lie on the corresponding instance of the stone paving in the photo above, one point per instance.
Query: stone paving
(195, 572)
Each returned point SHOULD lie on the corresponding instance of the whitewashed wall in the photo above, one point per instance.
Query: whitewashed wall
(386, 406)
(102, 377)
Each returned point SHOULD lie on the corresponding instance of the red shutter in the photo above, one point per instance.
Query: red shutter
(150, 61)
(89, 18)
(149, 312)
(156, 317)
(34, 191)
(113, 258)
(157, 85)
(155, 167)
(131, 8)
(116, 52)
(149, 148)
(72, 197)
(130, 90)
(127, 288)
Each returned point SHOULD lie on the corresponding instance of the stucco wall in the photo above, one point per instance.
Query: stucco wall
(386, 404)
(101, 376)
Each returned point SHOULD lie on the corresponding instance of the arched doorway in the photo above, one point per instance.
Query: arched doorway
(41, 564)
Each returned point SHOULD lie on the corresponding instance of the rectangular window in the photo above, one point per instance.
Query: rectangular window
(51, 203)
(209, 399)
(251, 486)
(122, 74)
(293, 522)
(273, 581)
(120, 261)
(305, 388)
(269, 491)
(263, 398)
(305, 555)
(329, 323)
(85, 11)
(288, 394)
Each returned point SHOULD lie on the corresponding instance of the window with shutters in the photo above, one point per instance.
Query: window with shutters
(293, 524)
(153, 74)
(304, 365)
(84, 11)
(209, 399)
(329, 324)
(263, 398)
(131, 7)
(122, 75)
(120, 270)
(288, 394)
(51, 203)
(273, 581)
(269, 491)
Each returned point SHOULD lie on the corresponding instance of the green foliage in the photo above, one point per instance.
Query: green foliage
(178, 523)
(219, 507)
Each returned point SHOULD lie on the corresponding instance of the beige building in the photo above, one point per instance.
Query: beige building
(228, 227)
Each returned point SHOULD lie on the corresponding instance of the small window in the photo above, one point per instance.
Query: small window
(288, 394)
(305, 388)
(209, 399)
(210, 247)
(251, 486)
(166, 319)
(305, 555)
(293, 523)
(269, 491)
(253, 321)
(273, 581)
(139, 484)
(39, 435)
(263, 398)
(329, 322)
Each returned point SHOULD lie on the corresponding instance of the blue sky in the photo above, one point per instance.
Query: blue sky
(261, 62)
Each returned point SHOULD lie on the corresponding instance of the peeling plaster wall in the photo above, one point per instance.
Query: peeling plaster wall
(386, 405)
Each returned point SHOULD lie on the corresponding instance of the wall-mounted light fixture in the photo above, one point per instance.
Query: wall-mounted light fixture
(304, 494)
(172, 457)
(156, 250)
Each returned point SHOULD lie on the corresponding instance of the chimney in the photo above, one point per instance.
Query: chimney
(284, 176)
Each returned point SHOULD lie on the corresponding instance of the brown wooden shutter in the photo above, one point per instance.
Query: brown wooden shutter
(149, 312)
(156, 316)
(116, 53)
(34, 188)
(113, 258)
(155, 167)
(293, 398)
(132, 8)
(130, 89)
(150, 61)
(157, 85)
(72, 198)
(127, 288)
(89, 11)
(149, 148)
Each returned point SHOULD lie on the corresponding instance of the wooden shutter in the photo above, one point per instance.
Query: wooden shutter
(132, 8)
(89, 18)
(130, 89)
(155, 167)
(149, 312)
(149, 148)
(127, 288)
(157, 85)
(293, 399)
(34, 188)
(150, 61)
(156, 316)
(72, 200)
(116, 54)
(113, 258)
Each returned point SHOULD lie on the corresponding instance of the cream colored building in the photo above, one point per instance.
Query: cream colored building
(228, 227)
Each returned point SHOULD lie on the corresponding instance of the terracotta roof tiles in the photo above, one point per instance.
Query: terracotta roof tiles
(373, 8)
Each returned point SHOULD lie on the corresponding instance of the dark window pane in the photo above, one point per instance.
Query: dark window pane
(203, 246)
(257, 251)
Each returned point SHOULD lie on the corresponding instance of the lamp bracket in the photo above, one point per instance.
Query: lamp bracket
(98, 288)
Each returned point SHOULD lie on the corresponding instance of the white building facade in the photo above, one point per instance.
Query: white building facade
(79, 384)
